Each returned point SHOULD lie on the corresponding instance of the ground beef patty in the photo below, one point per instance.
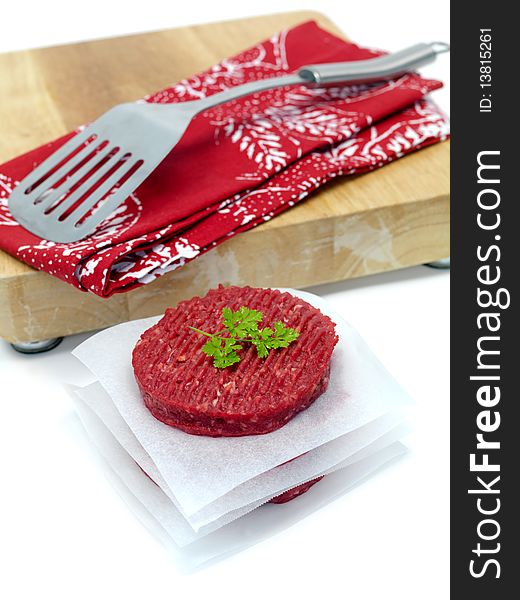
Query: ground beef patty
(181, 387)
(294, 492)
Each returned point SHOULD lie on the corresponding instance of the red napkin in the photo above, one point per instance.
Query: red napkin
(238, 165)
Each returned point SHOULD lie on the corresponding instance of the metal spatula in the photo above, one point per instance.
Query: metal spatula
(68, 195)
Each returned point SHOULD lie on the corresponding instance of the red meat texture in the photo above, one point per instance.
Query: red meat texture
(181, 387)
(295, 492)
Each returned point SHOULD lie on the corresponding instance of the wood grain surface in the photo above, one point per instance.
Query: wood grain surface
(395, 217)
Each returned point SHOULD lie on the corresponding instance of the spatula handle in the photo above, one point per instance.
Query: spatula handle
(373, 69)
(357, 71)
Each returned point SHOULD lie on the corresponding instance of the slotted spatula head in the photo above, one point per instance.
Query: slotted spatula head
(69, 194)
(74, 190)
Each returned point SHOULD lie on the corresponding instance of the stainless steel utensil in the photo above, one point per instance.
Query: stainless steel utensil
(69, 194)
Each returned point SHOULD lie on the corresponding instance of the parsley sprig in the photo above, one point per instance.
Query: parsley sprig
(241, 326)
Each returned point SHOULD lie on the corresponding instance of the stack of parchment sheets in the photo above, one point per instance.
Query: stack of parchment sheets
(209, 496)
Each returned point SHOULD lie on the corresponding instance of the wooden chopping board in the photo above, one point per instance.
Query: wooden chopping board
(395, 217)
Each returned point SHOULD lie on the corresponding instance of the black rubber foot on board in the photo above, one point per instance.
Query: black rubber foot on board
(37, 347)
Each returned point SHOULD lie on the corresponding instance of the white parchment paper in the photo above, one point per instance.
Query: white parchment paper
(263, 486)
(199, 470)
(251, 528)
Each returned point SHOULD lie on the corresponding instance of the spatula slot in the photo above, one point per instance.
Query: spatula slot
(78, 154)
(92, 177)
(100, 195)
(92, 168)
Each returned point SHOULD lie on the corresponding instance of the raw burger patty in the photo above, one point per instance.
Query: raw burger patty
(295, 491)
(182, 388)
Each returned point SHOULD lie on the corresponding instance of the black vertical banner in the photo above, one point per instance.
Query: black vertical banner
(485, 431)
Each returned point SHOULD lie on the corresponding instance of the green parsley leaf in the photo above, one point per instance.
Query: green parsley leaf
(261, 348)
(221, 362)
(241, 323)
(223, 351)
(212, 346)
(242, 326)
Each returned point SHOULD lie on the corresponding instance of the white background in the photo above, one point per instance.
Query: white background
(64, 532)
